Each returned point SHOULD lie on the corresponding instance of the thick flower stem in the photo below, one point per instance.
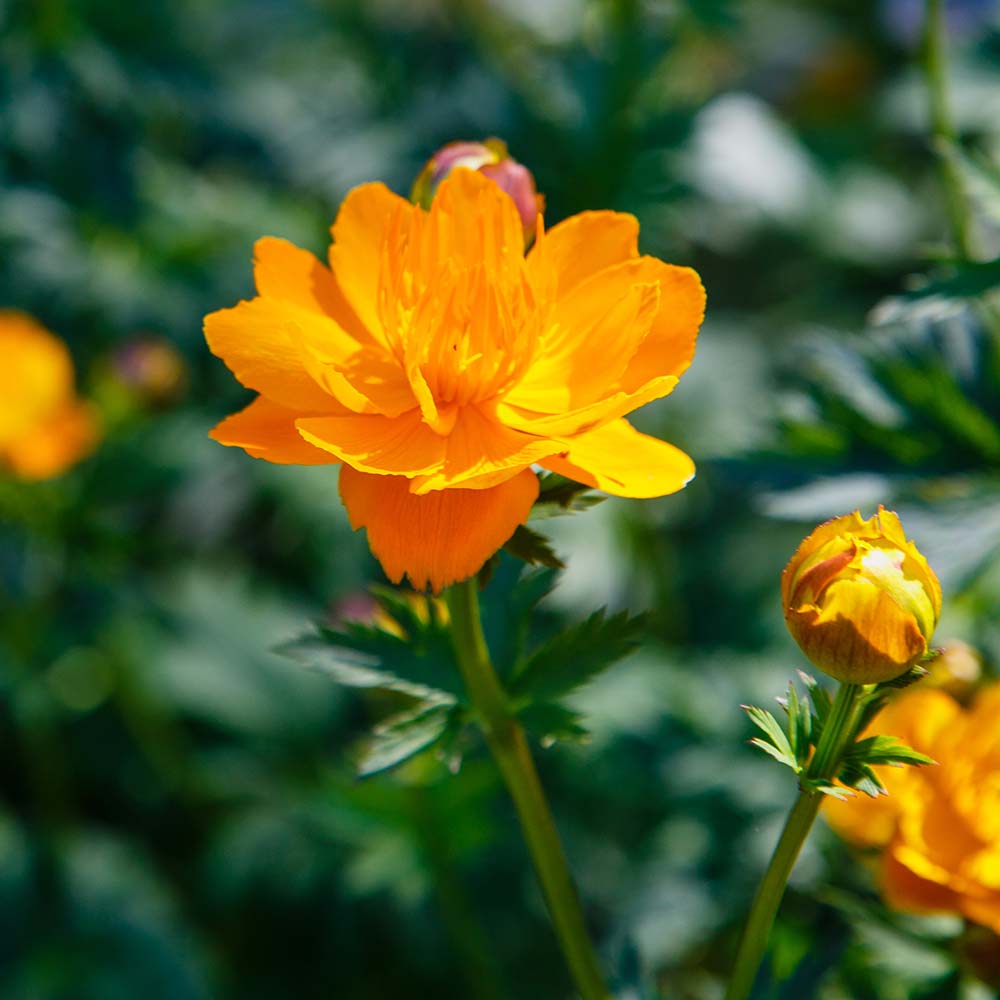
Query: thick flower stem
(838, 732)
(509, 747)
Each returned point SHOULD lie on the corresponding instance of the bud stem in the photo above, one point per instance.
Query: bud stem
(506, 740)
(838, 733)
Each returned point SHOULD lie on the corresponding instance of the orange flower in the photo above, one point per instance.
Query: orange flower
(44, 428)
(939, 826)
(438, 364)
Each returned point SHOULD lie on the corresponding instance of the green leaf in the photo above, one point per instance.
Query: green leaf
(508, 608)
(403, 736)
(411, 653)
(770, 748)
(820, 698)
(886, 750)
(361, 656)
(558, 495)
(577, 655)
(551, 722)
(533, 548)
(799, 724)
(776, 744)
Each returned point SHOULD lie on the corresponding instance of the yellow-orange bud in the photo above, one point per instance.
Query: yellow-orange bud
(860, 600)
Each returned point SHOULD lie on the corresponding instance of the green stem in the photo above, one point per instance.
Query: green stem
(509, 747)
(838, 732)
(943, 128)
(944, 133)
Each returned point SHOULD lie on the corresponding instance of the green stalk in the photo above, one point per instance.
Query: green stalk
(944, 133)
(509, 747)
(943, 128)
(838, 732)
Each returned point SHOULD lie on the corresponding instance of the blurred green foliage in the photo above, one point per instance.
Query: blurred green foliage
(179, 817)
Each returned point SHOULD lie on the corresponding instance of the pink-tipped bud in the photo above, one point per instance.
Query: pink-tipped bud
(492, 160)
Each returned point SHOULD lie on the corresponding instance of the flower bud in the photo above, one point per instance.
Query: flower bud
(860, 600)
(492, 160)
(150, 368)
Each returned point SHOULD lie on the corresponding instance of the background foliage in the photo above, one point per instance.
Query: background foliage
(179, 815)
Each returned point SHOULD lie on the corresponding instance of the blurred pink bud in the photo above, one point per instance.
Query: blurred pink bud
(151, 368)
(492, 160)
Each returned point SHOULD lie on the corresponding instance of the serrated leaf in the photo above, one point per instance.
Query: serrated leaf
(533, 548)
(576, 655)
(834, 791)
(769, 748)
(886, 750)
(403, 736)
(551, 722)
(355, 658)
(771, 728)
(820, 698)
(558, 496)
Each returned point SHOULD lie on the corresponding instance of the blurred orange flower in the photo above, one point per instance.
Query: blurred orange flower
(939, 827)
(438, 363)
(44, 427)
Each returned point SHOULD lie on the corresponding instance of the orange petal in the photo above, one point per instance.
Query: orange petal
(911, 882)
(440, 538)
(257, 343)
(584, 418)
(362, 376)
(386, 446)
(267, 430)
(477, 223)
(480, 449)
(339, 353)
(579, 247)
(618, 459)
(669, 347)
(54, 444)
(589, 341)
(359, 238)
(284, 271)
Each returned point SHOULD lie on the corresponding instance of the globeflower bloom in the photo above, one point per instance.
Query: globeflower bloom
(938, 829)
(437, 364)
(44, 427)
(860, 600)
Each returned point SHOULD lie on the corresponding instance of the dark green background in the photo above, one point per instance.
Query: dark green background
(178, 814)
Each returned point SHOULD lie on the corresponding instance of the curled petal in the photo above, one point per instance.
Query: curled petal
(441, 537)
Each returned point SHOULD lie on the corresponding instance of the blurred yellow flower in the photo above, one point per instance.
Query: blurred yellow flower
(859, 599)
(939, 827)
(437, 363)
(44, 427)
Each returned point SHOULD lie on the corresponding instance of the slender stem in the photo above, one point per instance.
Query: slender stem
(509, 747)
(943, 129)
(944, 133)
(838, 731)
